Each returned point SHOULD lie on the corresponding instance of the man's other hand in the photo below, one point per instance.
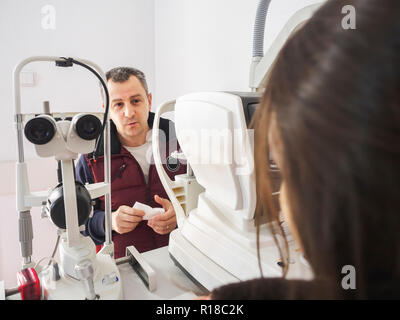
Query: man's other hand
(165, 222)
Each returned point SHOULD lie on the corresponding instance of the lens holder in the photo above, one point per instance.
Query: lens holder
(40, 130)
(87, 126)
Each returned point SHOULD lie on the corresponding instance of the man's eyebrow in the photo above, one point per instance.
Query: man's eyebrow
(134, 96)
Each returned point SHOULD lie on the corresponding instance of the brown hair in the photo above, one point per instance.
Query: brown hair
(332, 102)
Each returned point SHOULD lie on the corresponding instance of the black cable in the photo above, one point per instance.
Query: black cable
(59, 172)
(68, 63)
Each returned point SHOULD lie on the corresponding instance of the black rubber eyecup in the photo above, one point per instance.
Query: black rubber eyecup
(39, 130)
(88, 127)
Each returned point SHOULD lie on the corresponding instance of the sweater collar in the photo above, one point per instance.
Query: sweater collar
(165, 125)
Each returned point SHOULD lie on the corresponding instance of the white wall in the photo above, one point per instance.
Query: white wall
(207, 45)
(109, 33)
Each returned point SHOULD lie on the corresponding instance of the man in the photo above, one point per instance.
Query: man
(133, 177)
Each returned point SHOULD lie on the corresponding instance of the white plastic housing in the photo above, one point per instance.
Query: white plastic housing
(212, 132)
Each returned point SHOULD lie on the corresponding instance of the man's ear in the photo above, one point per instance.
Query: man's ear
(150, 98)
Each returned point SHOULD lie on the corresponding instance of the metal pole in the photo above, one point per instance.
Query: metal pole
(107, 180)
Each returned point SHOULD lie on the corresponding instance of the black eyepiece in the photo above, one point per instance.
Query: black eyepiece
(39, 130)
(88, 127)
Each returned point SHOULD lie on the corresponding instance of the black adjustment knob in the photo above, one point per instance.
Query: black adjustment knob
(57, 208)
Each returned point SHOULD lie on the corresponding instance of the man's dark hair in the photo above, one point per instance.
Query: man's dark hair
(122, 74)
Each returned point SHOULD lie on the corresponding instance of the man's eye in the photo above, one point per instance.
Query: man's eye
(119, 104)
(135, 101)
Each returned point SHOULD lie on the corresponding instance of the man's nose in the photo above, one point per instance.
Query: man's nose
(129, 111)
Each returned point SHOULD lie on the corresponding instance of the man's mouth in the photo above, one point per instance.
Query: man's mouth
(132, 124)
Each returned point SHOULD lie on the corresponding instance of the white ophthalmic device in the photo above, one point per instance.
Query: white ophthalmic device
(81, 274)
(215, 242)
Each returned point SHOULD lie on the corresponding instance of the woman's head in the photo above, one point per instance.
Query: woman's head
(331, 118)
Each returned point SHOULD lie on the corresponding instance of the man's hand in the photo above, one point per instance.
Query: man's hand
(125, 219)
(165, 222)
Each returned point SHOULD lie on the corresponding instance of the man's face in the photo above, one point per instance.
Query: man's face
(129, 110)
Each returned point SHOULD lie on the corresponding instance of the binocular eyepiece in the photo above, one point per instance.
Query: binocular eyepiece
(63, 138)
(41, 130)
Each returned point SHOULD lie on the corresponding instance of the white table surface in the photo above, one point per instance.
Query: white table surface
(172, 283)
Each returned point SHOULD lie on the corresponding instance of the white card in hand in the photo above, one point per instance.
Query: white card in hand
(149, 212)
